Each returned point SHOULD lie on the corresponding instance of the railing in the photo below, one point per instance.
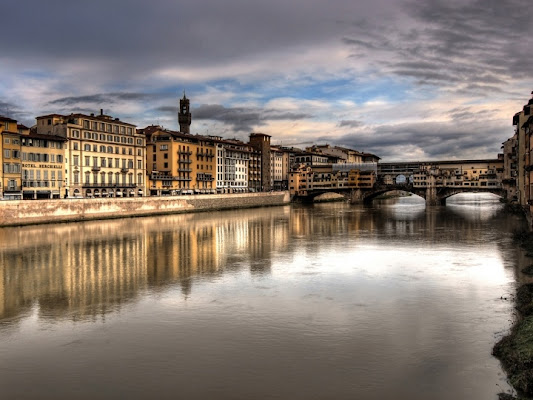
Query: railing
(108, 185)
(95, 168)
(124, 170)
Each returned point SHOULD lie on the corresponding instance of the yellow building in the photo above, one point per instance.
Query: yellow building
(105, 157)
(10, 182)
(43, 166)
(179, 163)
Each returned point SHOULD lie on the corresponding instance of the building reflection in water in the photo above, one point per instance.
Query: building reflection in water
(84, 270)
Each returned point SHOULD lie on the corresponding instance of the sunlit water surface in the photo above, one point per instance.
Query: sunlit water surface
(331, 301)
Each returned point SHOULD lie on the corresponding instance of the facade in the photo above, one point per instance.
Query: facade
(304, 178)
(343, 154)
(471, 174)
(105, 157)
(287, 165)
(276, 168)
(301, 180)
(519, 120)
(43, 166)
(179, 163)
(254, 171)
(10, 160)
(261, 143)
(527, 127)
(233, 159)
(313, 159)
(510, 166)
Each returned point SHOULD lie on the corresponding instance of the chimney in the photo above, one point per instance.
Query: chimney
(101, 111)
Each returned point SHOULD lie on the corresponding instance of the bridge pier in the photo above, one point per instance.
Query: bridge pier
(356, 196)
(431, 196)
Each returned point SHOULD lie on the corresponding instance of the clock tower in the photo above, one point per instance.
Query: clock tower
(184, 115)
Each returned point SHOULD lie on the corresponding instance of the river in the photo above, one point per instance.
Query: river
(324, 301)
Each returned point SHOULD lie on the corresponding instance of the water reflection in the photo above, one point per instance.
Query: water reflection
(475, 206)
(326, 301)
(87, 269)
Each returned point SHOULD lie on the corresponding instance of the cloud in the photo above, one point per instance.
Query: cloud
(102, 98)
(381, 74)
(350, 123)
(242, 118)
(427, 141)
(469, 46)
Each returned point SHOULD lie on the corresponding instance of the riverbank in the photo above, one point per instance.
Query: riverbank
(515, 351)
(29, 212)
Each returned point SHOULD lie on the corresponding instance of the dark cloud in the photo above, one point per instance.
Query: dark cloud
(102, 98)
(475, 46)
(15, 111)
(350, 123)
(429, 141)
(242, 118)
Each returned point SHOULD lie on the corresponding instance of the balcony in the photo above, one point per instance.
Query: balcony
(185, 152)
(181, 161)
(95, 168)
(124, 170)
(184, 170)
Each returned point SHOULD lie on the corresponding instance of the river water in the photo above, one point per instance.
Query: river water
(324, 301)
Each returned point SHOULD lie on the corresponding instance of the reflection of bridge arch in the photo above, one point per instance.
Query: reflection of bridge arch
(446, 193)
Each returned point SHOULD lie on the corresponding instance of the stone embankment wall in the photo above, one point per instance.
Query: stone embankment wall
(26, 212)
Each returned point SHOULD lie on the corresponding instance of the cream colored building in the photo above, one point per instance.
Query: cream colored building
(105, 157)
(43, 166)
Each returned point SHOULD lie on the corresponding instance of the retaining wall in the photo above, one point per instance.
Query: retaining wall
(26, 212)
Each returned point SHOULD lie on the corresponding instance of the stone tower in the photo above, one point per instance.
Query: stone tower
(261, 142)
(184, 115)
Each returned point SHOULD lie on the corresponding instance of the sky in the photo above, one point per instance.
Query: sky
(405, 80)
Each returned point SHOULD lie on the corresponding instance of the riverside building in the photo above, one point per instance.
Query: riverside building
(105, 157)
(179, 163)
(233, 160)
(43, 166)
(10, 182)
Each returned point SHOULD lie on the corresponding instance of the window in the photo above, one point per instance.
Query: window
(87, 147)
(75, 145)
(7, 153)
(87, 160)
(6, 140)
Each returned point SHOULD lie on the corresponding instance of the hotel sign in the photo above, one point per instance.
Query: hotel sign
(42, 166)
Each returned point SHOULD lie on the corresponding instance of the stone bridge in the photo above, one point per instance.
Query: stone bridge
(434, 195)
(435, 181)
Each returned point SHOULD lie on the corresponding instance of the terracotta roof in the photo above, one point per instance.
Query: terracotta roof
(34, 135)
(6, 119)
